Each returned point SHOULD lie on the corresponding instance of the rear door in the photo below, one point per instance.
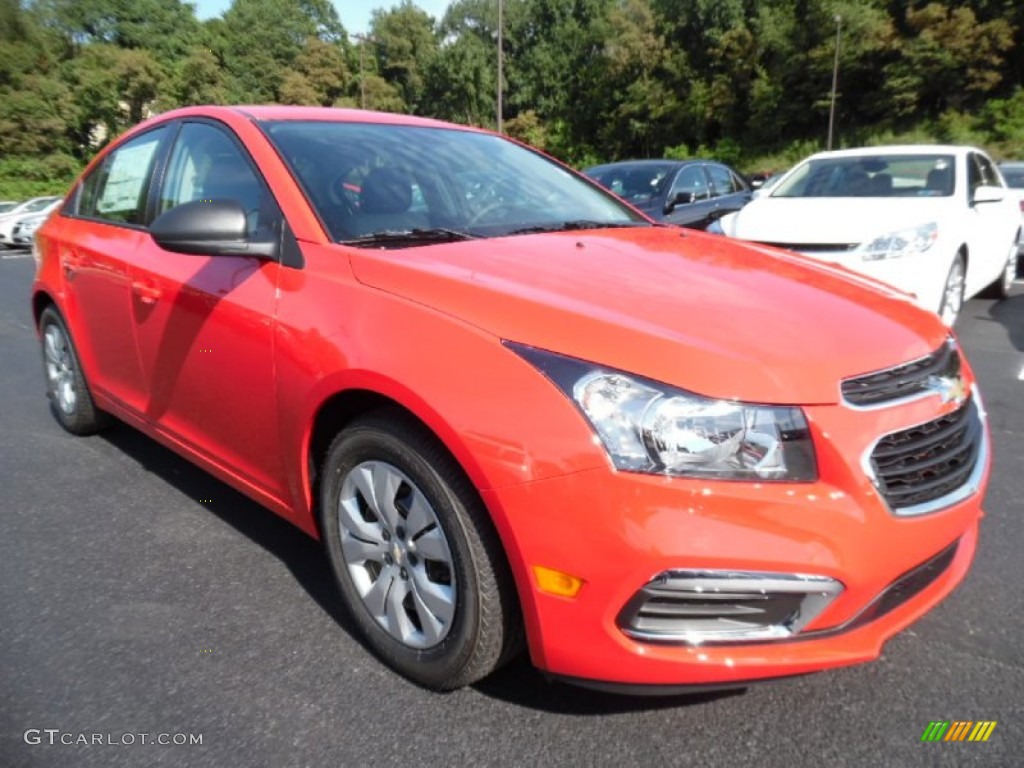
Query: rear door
(992, 226)
(102, 228)
(699, 212)
(204, 324)
(729, 191)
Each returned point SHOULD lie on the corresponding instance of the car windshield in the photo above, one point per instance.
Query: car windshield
(384, 185)
(1014, 176)
(636, 182)
(872, 176)
(5, 207)
(38, 205)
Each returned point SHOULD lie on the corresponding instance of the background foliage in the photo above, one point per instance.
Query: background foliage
(747, 81)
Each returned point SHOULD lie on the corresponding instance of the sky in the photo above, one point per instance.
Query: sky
(354, 14)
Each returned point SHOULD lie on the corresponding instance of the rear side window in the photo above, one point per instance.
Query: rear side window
(116, 190)
(722, 180)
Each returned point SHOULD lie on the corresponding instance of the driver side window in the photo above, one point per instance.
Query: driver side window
(691, 179)
(207, 165)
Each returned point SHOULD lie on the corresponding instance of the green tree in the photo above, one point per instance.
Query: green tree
(197, 79)
(259, 42)
(405, 46)
(948, 60)
(167, 28)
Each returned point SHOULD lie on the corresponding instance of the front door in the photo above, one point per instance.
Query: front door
(205, 325)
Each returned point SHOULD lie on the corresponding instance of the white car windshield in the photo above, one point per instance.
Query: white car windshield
(872, 176)
(38, 205)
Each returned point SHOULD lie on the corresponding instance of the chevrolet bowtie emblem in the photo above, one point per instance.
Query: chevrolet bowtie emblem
(948, 388)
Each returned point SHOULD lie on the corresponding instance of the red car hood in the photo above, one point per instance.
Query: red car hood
(702, 312)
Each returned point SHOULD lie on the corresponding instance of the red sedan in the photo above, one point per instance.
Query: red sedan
(511, 406)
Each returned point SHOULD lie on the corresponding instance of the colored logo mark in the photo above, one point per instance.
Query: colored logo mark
(958, 730)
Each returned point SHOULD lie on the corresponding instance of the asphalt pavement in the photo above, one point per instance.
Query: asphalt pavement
(138, 595)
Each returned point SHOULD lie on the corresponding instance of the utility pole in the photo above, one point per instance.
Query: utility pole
(363, 40)
(500, 76)
(835, 82)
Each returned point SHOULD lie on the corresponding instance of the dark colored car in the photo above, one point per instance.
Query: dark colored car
(1013, 172)
(690, 193)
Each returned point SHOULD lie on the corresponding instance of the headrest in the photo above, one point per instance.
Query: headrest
(386, 191)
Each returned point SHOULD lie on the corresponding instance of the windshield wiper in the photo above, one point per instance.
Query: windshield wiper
(410, 237)
(572, 224)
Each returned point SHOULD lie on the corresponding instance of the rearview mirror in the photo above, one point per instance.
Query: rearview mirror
(209, 228)
(681, 198)
(988, 194)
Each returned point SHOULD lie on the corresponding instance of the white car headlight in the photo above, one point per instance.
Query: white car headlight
(654, 428)
(903, 242)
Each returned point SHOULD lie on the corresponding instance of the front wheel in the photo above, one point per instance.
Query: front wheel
(953, 292)
(415, 555)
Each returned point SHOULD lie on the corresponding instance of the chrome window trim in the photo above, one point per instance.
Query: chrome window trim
(970, 487)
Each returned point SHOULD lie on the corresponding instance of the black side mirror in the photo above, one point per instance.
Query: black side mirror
(681, 198)
(209, 228)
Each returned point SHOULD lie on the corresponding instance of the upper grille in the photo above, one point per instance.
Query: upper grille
(928, 462)
(813, 247)
(903, 381)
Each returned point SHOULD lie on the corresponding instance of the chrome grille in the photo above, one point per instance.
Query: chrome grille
(903, 381)
(925, 464)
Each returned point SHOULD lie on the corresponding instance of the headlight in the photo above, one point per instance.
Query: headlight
(654, 428)
(904, 242)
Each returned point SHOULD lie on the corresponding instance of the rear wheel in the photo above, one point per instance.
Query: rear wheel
(953, 292)
(70, 399)
(415, 555)
(1001, 288)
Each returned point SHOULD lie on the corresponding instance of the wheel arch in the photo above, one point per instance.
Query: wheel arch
(345, 405)
(359, 397)
(40, 301)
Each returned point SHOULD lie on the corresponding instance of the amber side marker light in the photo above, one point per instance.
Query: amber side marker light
(557, 583)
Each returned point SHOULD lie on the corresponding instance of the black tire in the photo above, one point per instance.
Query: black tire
(953, 297)
(485, 629)
(66, 387)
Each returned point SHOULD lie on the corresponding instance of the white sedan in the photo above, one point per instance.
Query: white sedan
(37, 205)
(937, 222)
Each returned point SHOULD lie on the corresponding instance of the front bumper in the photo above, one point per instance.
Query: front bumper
(617, 531)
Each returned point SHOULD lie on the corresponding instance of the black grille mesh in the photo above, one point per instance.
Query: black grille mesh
(903, 380)
(924, 463)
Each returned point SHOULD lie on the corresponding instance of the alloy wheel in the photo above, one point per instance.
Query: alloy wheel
(397, 554)
(60, 369)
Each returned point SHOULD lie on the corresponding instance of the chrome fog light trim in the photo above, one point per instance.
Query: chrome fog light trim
(699, 607)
